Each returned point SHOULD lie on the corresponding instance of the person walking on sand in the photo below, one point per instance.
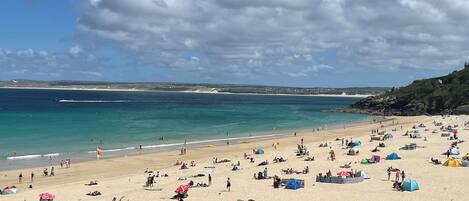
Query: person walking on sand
(61, 163)
(52, 171)
(32, 177)
(20, 178)
(398, 175)
(228, 185)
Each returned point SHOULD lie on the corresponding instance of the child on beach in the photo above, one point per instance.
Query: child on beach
(228, 184)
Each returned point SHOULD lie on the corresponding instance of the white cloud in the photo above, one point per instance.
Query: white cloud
(261, 37)
(31, 64)
(75, 50)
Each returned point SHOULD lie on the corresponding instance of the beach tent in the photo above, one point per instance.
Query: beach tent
(454, 151)
(392, 156)
(259, 151)
(410, 185)
(9, 190)
(293, 184)
(465, 163)
(452, 163)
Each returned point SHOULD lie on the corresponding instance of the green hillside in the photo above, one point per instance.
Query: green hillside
(440, 95)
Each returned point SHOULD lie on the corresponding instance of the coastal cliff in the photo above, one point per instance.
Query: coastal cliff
(440, 95)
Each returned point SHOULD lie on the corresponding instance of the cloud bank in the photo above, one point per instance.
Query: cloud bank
(261, 40)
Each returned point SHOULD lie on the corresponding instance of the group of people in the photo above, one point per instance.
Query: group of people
(400, 175)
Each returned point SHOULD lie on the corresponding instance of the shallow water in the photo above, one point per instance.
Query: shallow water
(34, 123)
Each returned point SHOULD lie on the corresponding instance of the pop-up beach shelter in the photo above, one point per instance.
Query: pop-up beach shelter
(9, 190)
(410, 185)
(259, 151)
(392, 156)
(452, 163)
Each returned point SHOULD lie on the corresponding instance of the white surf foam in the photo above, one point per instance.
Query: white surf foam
(92, 101)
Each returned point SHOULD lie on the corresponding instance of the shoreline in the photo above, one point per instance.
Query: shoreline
(194, 92)
(35, 160)
(323, 134)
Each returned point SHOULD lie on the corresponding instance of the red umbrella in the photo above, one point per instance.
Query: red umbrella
(182, 188)
(46, 196)
(343, 174)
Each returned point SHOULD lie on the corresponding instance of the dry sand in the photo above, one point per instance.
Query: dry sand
(124, 176)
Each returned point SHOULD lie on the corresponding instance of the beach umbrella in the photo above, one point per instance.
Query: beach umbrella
(343, 174)
(46, 196)
(410, 185)
(182, 188)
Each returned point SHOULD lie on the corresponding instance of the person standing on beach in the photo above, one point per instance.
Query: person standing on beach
(389, 174)
(52, 171)
(209, 179)
(32, 177)
(61, 163)
(228, 185)
(20, 178)
(403, 175)
(398, 175)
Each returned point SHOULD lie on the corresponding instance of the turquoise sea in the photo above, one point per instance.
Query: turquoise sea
(53, 122)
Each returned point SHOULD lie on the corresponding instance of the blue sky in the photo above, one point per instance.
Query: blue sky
(336, 43)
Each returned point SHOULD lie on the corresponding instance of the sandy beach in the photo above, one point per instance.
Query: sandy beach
(125, 176)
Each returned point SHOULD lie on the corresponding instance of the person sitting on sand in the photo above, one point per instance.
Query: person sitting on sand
(397, 185)
(178, 162)
(95, 193)
(92, 183)
(193, 164)
(309, 159)
(306, 170)
(184, 166)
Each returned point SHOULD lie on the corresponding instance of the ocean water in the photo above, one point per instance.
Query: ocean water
(52, 122)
